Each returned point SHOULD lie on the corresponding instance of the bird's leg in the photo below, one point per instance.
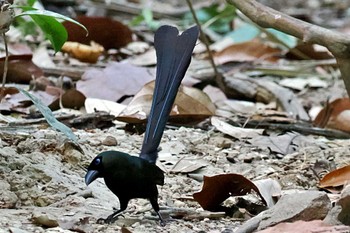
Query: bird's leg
(162, 222)
(113, 217)
(155, 206)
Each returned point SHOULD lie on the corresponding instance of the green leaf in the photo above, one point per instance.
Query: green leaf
(217, 17)
(31, 2)
(147, 17)
(283, 38)
(54, 30)
(32, 11)
(46, 20)
(49, 117)
(27, 27)
(244, 33)
(136, 21)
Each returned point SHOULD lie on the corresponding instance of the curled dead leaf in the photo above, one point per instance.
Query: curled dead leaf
(71, 98)
(97, 105)
(247, 51)
(335, 115)
(233, 131)
(82, 52)
(335, 178)
(187, 165)
(270, 189)
(217, 189)
(191, 105)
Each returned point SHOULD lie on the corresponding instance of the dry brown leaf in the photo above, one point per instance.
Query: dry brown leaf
(92, 105)
(273, 116)
(316, 226)
(311, 51)
(85, 53)
(233, 131)
(71, 98)
(248, 51)
(54, 91)
(191, 105)
(113, 82)
(42, 84)
(20, 103)
(215, 93)
(217, 189)
(284, 144)
(107, 32)
(125, 230)
(21, 69)
(187, 165)
(269, 189)
(336, 115)
(338, 177)
(6, 91)
(146, 59)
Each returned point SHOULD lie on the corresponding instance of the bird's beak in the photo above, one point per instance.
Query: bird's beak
(90, 176)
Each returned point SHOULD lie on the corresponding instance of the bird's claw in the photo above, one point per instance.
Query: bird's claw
(109, 220)
(162, 223)
(101, 221)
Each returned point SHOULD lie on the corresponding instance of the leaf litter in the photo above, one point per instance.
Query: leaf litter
(42, 174)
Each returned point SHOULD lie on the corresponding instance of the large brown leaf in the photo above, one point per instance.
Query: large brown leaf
(107, 32)
(247, 51)
(21, 69)
(335, 115)
(336, 178)
(191, 105)
(113, 82)
(217, 189)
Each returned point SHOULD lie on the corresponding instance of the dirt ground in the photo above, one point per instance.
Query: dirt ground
(42, 185)
(43, 177)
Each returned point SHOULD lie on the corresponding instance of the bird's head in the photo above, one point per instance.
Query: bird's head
(105, 164)
(95, 169)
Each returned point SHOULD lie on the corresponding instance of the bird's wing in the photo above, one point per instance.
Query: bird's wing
(174, 53)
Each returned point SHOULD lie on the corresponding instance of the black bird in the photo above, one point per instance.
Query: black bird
(131, 177)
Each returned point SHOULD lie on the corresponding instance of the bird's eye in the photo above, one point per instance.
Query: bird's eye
(97, 161)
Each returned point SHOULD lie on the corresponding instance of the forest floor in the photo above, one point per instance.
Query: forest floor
(42, 186)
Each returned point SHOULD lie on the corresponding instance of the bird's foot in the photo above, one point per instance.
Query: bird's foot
(101, 221)
(161, 220)
(162, 223)
(109, 220)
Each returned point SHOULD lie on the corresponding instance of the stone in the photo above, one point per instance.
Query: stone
(110, 141)
(306, 206)
(8, 199)
(340, 213)
(44, 220)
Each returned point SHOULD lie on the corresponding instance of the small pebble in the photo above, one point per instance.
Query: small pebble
(110, 141)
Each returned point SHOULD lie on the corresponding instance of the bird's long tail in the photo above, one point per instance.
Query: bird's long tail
(174, 53)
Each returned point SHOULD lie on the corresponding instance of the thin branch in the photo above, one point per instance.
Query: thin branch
(4, 75)
(218, 76)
